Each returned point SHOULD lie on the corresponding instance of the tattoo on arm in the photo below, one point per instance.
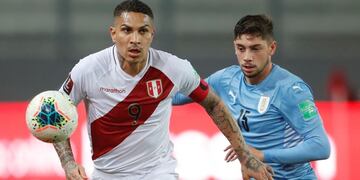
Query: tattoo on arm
(227, 125)
(252, 163)
(217, 110)
(64, 152)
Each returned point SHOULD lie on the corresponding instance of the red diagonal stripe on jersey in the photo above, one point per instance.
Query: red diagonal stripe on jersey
(110, 130)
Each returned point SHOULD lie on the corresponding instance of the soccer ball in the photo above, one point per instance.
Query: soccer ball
(51, 116)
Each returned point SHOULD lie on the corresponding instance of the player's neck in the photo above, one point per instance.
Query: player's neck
(132, 68)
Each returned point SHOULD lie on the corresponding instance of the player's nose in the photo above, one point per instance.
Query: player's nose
(135, 38)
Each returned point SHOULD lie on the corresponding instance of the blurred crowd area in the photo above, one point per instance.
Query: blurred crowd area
(318, 40)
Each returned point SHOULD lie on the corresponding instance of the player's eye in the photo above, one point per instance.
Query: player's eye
(256, 48)
(125, 30)
(143, 30)
(241, 49)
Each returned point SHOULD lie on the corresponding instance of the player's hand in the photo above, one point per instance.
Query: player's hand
(231, 154)
(253, 167)
(74, 171)
(246, 176)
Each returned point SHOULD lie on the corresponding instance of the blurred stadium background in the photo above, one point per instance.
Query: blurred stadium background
(40, 41)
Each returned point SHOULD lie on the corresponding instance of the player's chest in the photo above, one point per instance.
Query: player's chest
(256, 111)
(111, 89)
(253, 119)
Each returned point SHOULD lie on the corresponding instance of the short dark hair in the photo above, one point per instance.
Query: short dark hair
(133, 6)
(257, 25)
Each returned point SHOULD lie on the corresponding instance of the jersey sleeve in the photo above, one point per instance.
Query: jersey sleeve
(212, 81)
(73, 85)
(299, 110)
(191, 84)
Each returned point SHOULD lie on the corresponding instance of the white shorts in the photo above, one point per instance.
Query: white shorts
(165, 171)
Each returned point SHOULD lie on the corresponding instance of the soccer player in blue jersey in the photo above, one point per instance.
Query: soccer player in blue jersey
(274, 108)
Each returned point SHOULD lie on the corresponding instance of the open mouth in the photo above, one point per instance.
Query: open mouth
(134, 52)
(248, 68)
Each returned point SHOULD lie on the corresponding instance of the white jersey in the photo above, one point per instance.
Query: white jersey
(128, 117)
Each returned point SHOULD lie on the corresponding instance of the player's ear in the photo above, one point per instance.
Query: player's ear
(273, 46)
(234, 43)
(153, 31)
(112, 32)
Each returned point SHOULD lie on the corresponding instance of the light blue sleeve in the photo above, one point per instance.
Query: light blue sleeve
(180, 99)
(213, 81)
(299, 110)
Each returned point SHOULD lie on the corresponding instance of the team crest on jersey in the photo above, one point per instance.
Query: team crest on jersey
(263, 104)
(154, 88)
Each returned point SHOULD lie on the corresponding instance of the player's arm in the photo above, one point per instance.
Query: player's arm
(72, 87)
(223, 119)
(304, 152)
(232, 156)
(213, 82)
(300, 111)
(71, 168)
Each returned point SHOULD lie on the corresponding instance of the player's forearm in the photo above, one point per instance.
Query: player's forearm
(223, 119)
(303, 152)
(299, 154)
(64, 152)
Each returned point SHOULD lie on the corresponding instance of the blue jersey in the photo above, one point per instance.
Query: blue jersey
(277, 116)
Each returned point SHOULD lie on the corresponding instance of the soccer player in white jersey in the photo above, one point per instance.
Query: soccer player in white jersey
(127, 90)
(274, 108)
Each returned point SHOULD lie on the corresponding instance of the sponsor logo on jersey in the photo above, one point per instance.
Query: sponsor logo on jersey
(112, 90)
(263, 104)
(297, 88)
(308, 109)
(154, 88)
(68, 85)
(233, 97)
